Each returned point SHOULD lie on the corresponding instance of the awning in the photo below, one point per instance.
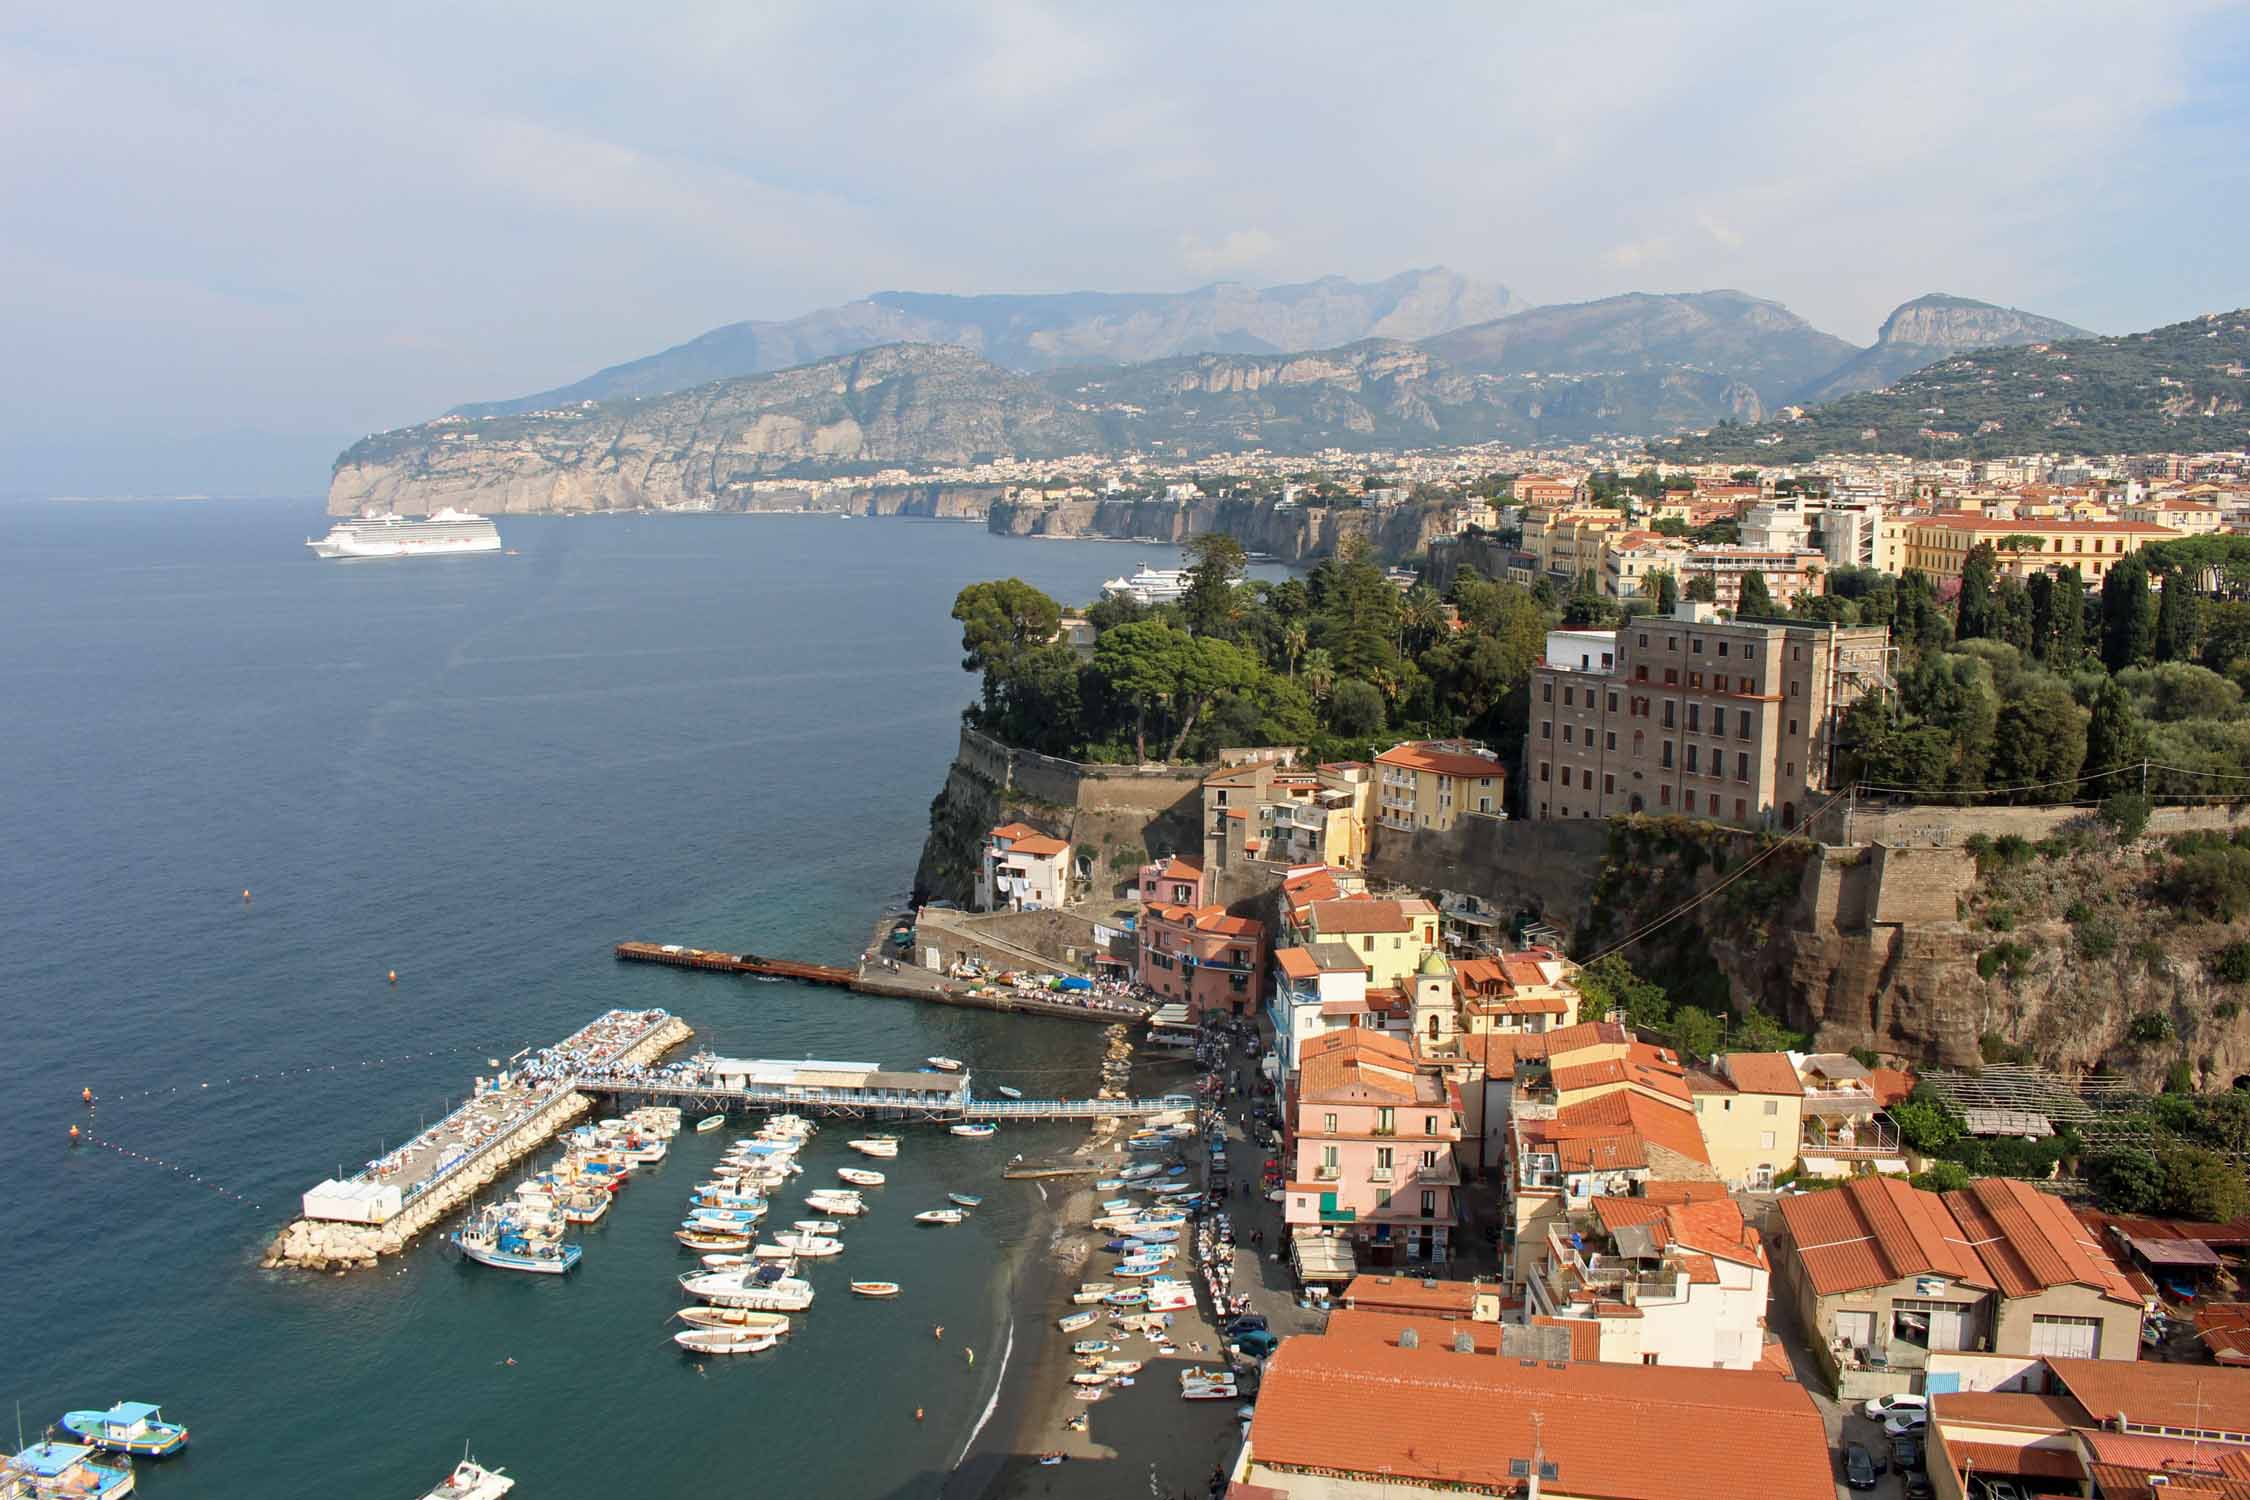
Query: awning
(2026, 1463)
(1322, 1257)
(2159, 1250)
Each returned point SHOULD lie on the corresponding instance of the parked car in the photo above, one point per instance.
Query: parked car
(1247, 1323)
(1905, 1420)
(1918, 1486)
(1906, 1452)
(1859, 1466)
(1879, 1407)
(1257, 1343)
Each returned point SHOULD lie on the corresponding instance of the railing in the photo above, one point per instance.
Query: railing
(1379, 1174)
(1327, 1172)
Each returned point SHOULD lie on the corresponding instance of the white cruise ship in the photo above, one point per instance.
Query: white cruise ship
(1151, 585)
(392, 535)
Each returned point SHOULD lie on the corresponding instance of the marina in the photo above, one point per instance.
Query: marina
(873, 978)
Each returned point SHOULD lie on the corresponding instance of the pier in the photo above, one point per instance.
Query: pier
(902, 983)
(349, 1222)
(860, 1091)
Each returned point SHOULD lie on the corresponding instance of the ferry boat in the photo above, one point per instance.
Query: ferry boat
(494, 1238)
(1149, 585)
(134, 1427)
(388, 534)
(470, 1480)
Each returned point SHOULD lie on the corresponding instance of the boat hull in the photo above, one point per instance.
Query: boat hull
(162, 1440)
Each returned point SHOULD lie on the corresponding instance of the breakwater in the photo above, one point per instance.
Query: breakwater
(350, 1223)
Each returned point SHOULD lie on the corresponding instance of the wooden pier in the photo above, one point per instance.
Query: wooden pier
(906, 983)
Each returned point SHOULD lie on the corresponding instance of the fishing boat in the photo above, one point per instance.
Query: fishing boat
(940, 1216)
(1144, 1170)
(830, 1203)
(814, 1226)
(748, 1289)
(1092, 1346)
(1110, 1185)
(874, 1288)
(1089, 1377)
(1095, 1288)
(134, 1427)
(724, 1341)
(1116, 1205)
(861, 1176)
(1121, 1366)
(585, 1207)
(695, 1237)
(715, 1195)
(875, 1145)
(733, 1317)
(811, 1246)
(1131, 1296)
(725, 1220)
(709, 1123)
(1072, 1322)
(495, 1239)
(965, 1200)
(1009, 1093)
(470, 1480)
(946, 1064)
(981, 1130)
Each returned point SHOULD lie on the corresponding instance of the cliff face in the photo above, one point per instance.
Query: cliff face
(1293, 535)
(1926, 330)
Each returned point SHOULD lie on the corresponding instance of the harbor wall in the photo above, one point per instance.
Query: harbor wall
(334, 1246)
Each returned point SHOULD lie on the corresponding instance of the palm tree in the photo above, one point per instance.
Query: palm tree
(1320, 673)
(1293, 641)
(1422, 615)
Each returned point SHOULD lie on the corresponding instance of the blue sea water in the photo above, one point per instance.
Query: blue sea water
(480, 772)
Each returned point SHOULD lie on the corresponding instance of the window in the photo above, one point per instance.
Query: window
(1765, 1140)
(1386, 1121)
(1671, 643)
(1740, 810)
(2067, 1338)
(1792, 726)
(1367, 944)
(1796, 689)
(1644, 638)
(1669, 709)
(1640, 674)
(1429, 1127)
(1547, 691)
(1542, 770)
(1671, 676)
(1664, 796)
(1789, 768)
(1773, 1106)
(1429, 1161)
(1665, 759)
(1695, 679)
(1429, 1204)
(1742, 767)
(1749, 653)
(1383, 1159)
(1742, 725)
(1691, 754)
(1722, 648)
(1329, 1164)
(1328, 1123)
(1566, 695)
(1566, 734)
(1648, 1359)
(1586, 780)
(1546, 732)
(1695, 644)
(1695, 717)
(1613, 703)
(1609, 783)
(1609, 740)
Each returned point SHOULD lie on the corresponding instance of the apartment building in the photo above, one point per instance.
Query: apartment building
(1940, 544)
(1022, 869)
(1204, 956)
(1371, 1140)
(1330, 825)
(1565, 544)
(1666, 1283)
(1390, 937)
(1864, 537)
(1732, 721)
(1631, 557)
(1429, 784)
(1750, 1107)
(1788, 573)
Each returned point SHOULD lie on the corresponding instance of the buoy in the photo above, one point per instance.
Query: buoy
(87, 1095)
(917, 1413)
(74, 1135)
(246, 895)
(394, 976)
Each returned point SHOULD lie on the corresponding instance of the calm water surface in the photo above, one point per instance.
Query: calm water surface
(480, 772)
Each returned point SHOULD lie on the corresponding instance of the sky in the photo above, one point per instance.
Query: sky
(236, 237)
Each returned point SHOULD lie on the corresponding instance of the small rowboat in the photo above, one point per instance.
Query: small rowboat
(1009, 1093)
(1083, 1377)
(706, 1239)
(885, 1145)
(842, 1205)
(945, 1064)
(940, 1216)
(815, 1226)
(709, 1123)
(966, 1200)
(1131, 1296)
(875, 1288)
(733, 1317)
(1072, 1322)
(1091, 1346)
(811, 1246)
(724, 1341)
(1120, 1367)
(982, 1130)
(1087, 1393)
(861, 1176)
(723, 1262)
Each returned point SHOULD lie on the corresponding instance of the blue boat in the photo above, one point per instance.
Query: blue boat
(966, 1200)
(134, 1427)
(494, 1239)
(67, 1469)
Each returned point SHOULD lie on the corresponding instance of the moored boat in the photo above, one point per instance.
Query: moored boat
(815, 1226)
(842, 1205)
(811, 1246)
(1009, 1093)
(861, 1176)
(495, 1238)
(1072, 1322)
(733, 1317)
(1092, 1346)
(709, 1123)
(73, 1469)
(875, 1145)
(979, 1131)
(945, 1064)
(741, 1289)
(1089, 1377)
(470, 1480)
(965, 1200)
(135, 1427)
(875, 1288)
(724, 1341)
(940, 1216)
(711, 1240)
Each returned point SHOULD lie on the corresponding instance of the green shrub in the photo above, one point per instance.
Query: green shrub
(2225, 1010)
(2000, 919)
(1995, 1048)
(2127, 812)
(2232, 963)
(2096, 940)
(2076, 912)
(2149, 1026)
(1942, 1177)
(2150, 955)
(2214, 882)
(2008, 958)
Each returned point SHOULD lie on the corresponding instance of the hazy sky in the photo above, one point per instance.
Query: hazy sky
(235, 237)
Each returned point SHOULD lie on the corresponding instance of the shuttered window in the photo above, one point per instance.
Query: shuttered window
(2066, 1338)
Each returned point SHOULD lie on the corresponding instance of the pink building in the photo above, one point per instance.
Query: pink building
(1203, 956)
(1172, 882)
(1371, 1147)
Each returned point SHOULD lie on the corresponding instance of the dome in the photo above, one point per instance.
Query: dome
(1434, 965)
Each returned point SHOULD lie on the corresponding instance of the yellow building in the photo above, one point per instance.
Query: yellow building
(1566, 543)
(1427, 784)
(1389, 937)
(1751, 1111)
(1940, 544)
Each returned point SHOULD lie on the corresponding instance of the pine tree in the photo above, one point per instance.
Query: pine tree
(2069, 646)
(1757, 600)
(1975, 618)
(2041, 591)
(2178, 622)
(2126, 636)
(2116, 744)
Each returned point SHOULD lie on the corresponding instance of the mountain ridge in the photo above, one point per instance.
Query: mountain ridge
(1929, 328)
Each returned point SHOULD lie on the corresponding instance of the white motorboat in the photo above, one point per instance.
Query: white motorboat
(773, 1252)
(709, 1123)
(811, 1246)
(733, 1317)
(471, 1480)
(725, 1262)
(724, 1341)
(815, 1226)
(875, 1145)
(940, 1216)
(1009, 1093)
(835, 1203)
(1149, 585)
(875, 1288)
(981, 1130)
(946, 1064)
(736, 1289)
(1210, 1390)
(861, 1176)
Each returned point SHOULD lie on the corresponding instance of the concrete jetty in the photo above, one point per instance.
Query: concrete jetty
(897, 982)
(349, 1222)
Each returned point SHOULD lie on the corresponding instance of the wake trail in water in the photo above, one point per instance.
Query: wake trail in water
(1006, 1349)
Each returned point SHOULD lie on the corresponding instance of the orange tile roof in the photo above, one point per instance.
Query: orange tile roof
(2030, 1241)
(1360, 1065)
(1178, 868)
(1589, 1075)
(1362, 914)
(2006, 1458)
(1411, 1293)
(1890, 1084)
(1015, 831)
(1038, 846)
(1663, 1125)
(1963, 520)
(1296, 963)
(1207, 919)
(1876, 1230)
(2153, 1394)
(2123, 1461)
(1424, 755)
(1585, 1334)
(1763, 1073)
(2021, 1409)
(1682, 1192)
(1380, 1327)
(2225, 1330)
(1712, 1228)
(1614, 1432)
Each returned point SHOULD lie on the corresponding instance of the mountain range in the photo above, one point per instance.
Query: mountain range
(1425, 358)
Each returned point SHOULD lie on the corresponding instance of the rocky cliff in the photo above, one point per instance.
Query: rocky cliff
(1926, 330)
(1292, 534)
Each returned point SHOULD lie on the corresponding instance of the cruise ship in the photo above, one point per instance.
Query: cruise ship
(392, 535)
(1151, 585)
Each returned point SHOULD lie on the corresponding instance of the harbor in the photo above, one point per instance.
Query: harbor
(893, 980)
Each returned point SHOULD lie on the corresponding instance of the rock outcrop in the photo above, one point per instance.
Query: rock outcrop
(1292, 534)
(1926, 330)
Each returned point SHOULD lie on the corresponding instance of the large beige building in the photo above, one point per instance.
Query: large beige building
(1939, 545)
(1430, 783)
(1733, 721)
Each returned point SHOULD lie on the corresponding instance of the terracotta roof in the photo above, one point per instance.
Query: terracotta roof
(1207, 919)
(1361, 914)
(1763, 1072)
(1177, 868)
(2030, 1241)
(1613, 1432)
(1428, 755)
(1361, 1065)
(1015, 831)
(1890, 1084)
(1873, 1231)
(1585, 1334)
(2154, 1394)
(1663, 1125)
(1682, 1192)
(1379, 1327)
(1961, 520)
(1038, 846)
(1589, 1075)
(1711, 1228)
(2225, 1329)
(2006, 1458)
(1413, 1293)
(2007, 1409)
(1296, 963)
(2122, 1463)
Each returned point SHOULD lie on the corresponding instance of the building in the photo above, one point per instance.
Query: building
(1327, 825)
(1885, 1276)
(1172, 882)
(1202, 956)
(1316, 989)
(1389, 936)
(1355, 1413)
(1844, 1129)
(1023, 870)
(1864, 537)
(1566, 544)
(1612, 1144)
(1788, 573)
(1371, 1140)
(1629, 558)
(1546, 490)
(1666, 1283)
(1431, 784)
(1529, 990)
(1939, 544)
(1750, 1107)
(1424, 1297)
(1732, 721)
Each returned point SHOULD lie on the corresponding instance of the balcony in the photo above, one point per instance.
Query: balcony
(1847, 1100)
(1327, 1172)
(1380, 1174)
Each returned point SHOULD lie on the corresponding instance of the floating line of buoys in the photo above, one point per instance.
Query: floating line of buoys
(156, 1161)
(268, 1074)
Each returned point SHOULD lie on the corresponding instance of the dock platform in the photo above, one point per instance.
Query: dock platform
(904, 982)
(860, 1091)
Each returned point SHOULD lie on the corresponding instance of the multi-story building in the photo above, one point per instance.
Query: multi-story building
(1023, 870)
(1666, 1283)
(1390, 937)
(1318, 988)
(1732, 721)
(1566, 544)
(1863, 536)
(1330, 826)
(1750, 1107)
(1203, 956)
(1631, 557)
(1940, 544)
(1172, 882)
(1428, 784)
(1546, 490)
(1787, 573)
(1528, 991)
(1372, 1132)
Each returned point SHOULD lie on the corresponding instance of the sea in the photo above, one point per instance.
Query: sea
(479, 773)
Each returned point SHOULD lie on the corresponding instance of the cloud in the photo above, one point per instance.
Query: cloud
(1636, 254)
(1235, 250)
